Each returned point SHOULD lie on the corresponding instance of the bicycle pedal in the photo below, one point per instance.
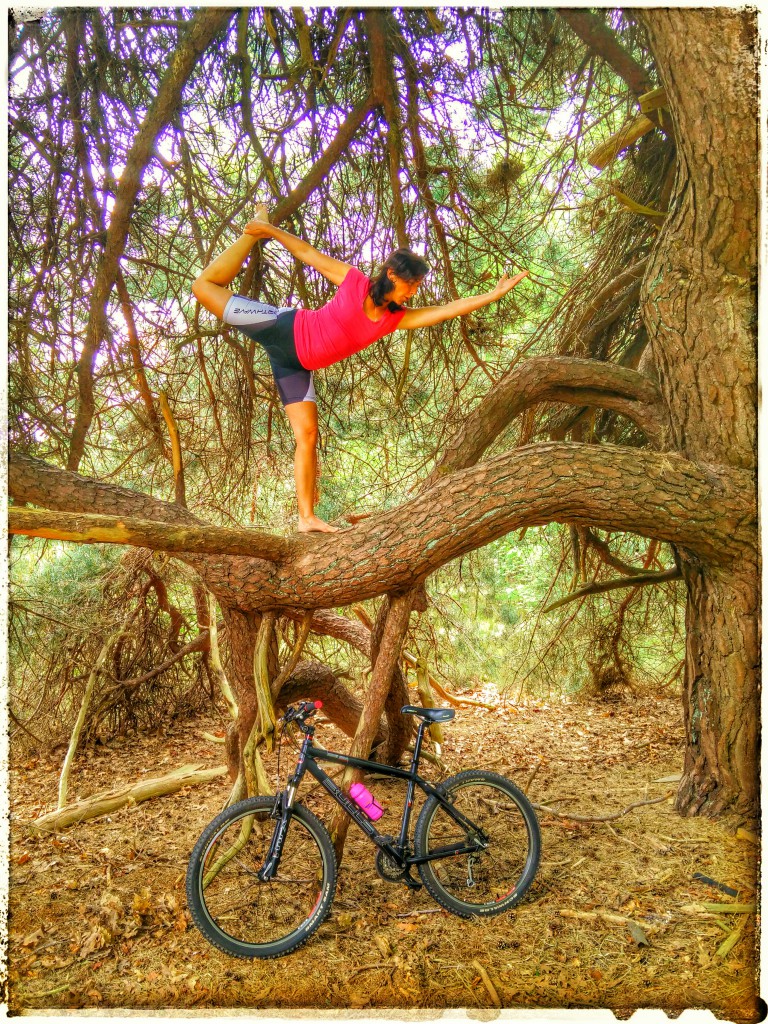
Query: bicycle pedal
(411, 882)
(384, 840)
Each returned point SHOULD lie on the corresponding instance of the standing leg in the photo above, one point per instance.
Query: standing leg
(303, 420)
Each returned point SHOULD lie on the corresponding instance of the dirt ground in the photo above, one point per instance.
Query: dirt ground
(614, 919)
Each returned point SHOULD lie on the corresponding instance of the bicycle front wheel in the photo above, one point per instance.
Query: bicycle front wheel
(497, 873)
(233, 908)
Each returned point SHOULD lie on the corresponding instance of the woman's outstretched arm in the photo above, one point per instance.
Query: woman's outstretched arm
(426, 316)
(334, 270)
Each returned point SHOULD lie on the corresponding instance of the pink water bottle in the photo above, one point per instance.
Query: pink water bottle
(366, 801)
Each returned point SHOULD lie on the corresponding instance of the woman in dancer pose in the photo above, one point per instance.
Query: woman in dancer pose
(299, 341)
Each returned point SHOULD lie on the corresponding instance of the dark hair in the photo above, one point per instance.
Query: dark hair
(407, 265)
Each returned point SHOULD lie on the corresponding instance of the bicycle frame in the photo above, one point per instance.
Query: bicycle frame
(309, 755)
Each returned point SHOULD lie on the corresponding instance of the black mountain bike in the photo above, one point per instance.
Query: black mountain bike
(262, 875)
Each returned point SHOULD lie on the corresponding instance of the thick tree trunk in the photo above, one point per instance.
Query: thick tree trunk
(242, 632)
(699, 307)
(390, 651)
(312, 680)
(721, 707)
(399, 726)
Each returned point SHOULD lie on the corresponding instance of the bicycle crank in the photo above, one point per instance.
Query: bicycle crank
(388, 868)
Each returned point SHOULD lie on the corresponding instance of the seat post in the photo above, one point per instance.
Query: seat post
(417, 745)
(411, 789)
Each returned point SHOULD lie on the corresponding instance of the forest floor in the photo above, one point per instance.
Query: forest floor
(98, 917)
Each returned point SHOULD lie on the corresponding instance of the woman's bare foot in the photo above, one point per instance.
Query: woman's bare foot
(312, 524)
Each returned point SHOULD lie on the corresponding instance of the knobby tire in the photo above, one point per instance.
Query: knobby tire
(238, 913)
(495, 879)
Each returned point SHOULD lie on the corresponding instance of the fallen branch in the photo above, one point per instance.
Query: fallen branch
(725, 948)
(718, 908)
(532, 776)
(605, 817)
(594, 915)
(108, 802)
(213, 739)
(490, 987)
(743, 833)
(452, 698)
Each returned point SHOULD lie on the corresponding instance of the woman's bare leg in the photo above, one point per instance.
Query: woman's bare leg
(210, 289)
(303, 419)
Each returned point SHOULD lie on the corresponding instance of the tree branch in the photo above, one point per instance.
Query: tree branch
(707, 510)
(200, 643)
(642, 580)
(592, 30)
(204, 27)
(547, 379)
(328, 623)
(322, 167)
(85, 528)
(605, 554)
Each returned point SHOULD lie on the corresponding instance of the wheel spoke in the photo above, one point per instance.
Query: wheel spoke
(239, 912)
(492, 877)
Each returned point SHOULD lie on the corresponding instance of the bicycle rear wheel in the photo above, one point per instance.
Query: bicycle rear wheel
(487, 881)
(233, 908)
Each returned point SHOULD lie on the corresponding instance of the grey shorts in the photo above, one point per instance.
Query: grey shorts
(272, 328)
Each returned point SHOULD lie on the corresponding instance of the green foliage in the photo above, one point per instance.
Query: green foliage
(495, 110)
(58, 573)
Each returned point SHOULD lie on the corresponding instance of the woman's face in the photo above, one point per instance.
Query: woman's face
(402, 290)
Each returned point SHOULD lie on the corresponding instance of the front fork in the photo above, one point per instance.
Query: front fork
(283, 812)
(272, 861)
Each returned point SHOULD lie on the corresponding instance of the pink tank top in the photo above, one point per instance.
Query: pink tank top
(340, 327)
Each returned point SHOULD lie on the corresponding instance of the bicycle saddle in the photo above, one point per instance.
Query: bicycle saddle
(429, 714)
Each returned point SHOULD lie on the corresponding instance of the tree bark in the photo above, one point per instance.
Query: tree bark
(699, 307)
(311, 680)
(552, 379)
(709, 509)
(395, 629)
(242, 633)
(399, 726)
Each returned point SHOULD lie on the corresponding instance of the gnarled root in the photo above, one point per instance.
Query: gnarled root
(313, 679)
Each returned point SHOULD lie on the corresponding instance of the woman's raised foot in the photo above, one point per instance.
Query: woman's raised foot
(313, 524)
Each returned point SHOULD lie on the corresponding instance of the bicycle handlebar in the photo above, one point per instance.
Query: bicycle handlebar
(302, 711)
